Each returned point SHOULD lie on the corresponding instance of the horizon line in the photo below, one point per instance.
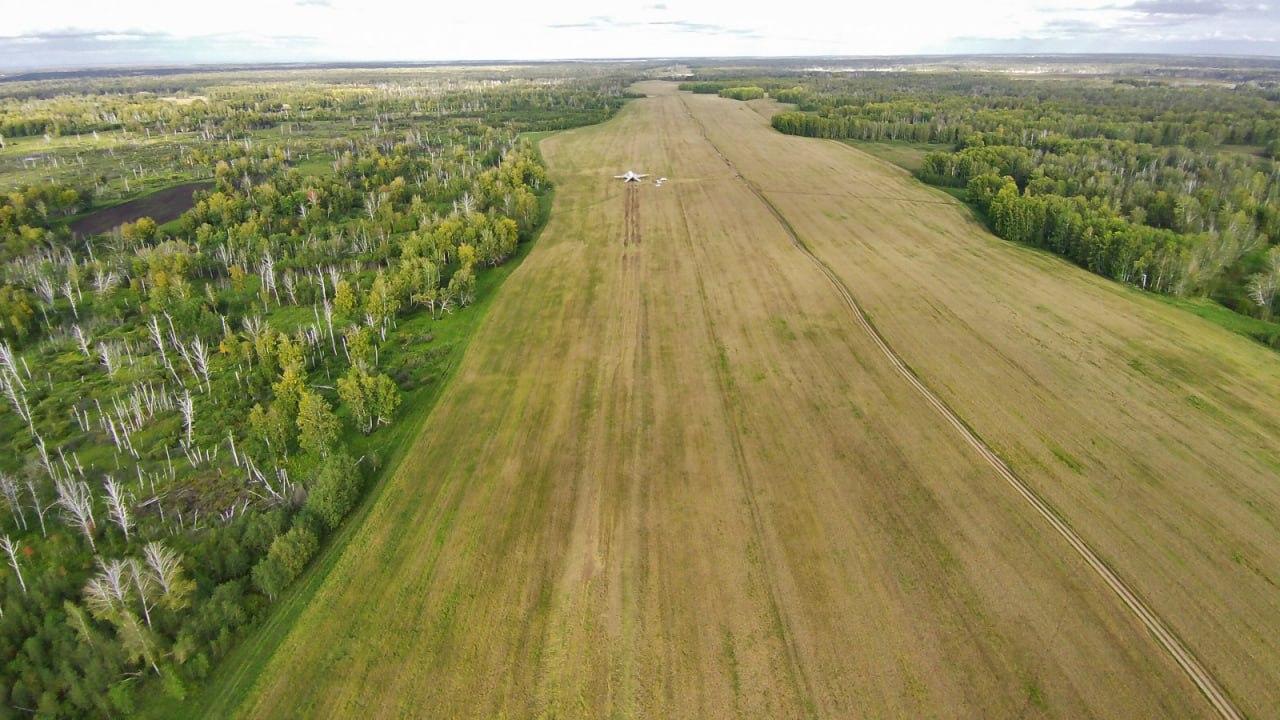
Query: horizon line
(10, 73)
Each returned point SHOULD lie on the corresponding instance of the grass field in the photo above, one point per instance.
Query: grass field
(674, 478)
(1154, 433)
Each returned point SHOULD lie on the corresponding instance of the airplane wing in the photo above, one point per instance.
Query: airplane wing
(643, 176)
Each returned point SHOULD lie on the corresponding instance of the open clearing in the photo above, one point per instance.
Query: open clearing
(678, 478)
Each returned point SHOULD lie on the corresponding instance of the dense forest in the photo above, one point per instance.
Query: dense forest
(190, 409)
(1167, 186)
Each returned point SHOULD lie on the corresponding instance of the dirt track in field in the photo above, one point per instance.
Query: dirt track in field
(675, 480)
(631, 213)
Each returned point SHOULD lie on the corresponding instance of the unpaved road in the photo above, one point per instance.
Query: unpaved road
(673, 479)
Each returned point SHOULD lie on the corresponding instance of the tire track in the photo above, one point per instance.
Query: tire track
(854, 196)
(626, 213)
(635, 215)
(1180, 653)
(631, 215)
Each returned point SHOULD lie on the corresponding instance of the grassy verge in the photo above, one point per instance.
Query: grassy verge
(1266, 332)
(235, 673)
(907, 155)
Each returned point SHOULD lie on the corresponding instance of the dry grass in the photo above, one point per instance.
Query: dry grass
(1155, 433)
(674, 479)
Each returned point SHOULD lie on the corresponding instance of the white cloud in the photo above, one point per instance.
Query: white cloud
(130, 31)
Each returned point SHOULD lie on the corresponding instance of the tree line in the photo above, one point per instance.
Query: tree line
(1140, 182)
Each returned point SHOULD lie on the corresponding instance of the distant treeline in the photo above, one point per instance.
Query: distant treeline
(237, 102)
(725, 90)
(703, 88)
(949, 107)
(750, 92)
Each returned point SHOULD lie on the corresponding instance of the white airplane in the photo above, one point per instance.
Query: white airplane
(630, 176)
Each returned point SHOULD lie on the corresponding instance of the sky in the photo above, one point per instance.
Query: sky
(79, 33)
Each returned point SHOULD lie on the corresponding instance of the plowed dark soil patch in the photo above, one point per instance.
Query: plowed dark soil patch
(161, 206)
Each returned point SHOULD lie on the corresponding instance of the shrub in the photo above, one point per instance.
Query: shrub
(334, 490)
(749, 92)
(288, 556)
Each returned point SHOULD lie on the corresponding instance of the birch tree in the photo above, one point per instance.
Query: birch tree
(165, 567)
(351, 392)
(70, 294)
(11, 549)
(157, 338)
(1264, 286)
(38, 505)
(109, 595)
(77, 503)
(317, 425)
(81, 341)
(10, 366)
(267, 268)
(200, 358)
(16, 394)
(372, 399)
(188, 407)
(9, 488)
(138, 641)
(118, 505)
(109, 354)
(144, 584)
(106, 594)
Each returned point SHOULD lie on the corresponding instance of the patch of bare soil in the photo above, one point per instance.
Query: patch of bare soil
(161, 206)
